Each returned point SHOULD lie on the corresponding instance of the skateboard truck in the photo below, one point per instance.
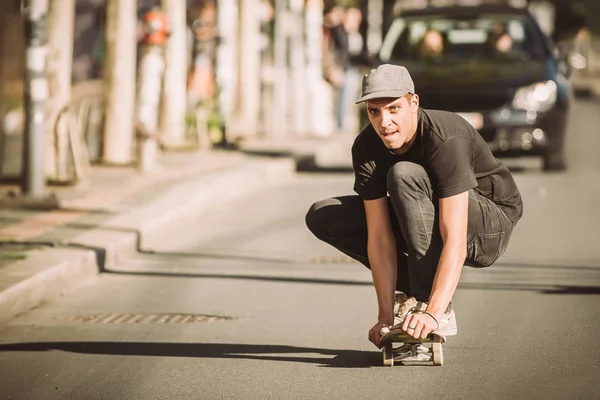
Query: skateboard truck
(413, 349)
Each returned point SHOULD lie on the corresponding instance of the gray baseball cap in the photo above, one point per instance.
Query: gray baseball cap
(386, 80)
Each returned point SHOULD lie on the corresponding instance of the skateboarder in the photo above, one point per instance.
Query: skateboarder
(431, 198)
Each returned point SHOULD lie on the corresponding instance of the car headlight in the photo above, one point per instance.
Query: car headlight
(538, 97)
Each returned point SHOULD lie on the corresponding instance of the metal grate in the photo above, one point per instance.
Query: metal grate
(147, 318)
(333, 259)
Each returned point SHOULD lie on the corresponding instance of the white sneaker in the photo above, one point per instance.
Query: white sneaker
(448, 325)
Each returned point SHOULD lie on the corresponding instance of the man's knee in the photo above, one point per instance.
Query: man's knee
(315, 217)
(407, 175)
(404, 172)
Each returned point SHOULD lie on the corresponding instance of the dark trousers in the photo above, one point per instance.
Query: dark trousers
(341, 222)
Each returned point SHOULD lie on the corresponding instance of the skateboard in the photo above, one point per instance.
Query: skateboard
(413, 350)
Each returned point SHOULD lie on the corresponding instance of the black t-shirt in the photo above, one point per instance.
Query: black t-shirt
(452, 152)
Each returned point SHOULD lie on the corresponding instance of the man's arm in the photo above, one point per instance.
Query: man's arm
(454, 218)
(454, 215)
(381, 249)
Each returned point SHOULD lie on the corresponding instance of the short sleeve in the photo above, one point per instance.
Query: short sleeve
(369, 177)
(451, 167)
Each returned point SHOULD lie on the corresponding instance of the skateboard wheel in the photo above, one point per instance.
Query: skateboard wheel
(388, 355)
(437, 354)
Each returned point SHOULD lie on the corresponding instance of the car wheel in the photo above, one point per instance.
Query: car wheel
(554, 161)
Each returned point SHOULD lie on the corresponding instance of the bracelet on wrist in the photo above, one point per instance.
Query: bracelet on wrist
(428, 313)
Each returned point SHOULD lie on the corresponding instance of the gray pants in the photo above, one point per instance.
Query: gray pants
(341, 222)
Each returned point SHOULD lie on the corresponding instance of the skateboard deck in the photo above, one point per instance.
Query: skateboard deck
(413, 350)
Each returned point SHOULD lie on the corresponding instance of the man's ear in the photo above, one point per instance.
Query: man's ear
(414, 103)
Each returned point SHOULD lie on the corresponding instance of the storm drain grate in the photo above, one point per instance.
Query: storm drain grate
(333, 259)
(147, 318)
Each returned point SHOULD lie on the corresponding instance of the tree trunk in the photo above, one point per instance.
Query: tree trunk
(119, 78)
(174, 94)
(60, 61)
(247, 102)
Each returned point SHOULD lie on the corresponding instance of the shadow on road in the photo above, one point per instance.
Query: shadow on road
(227, 254)
(224, 256)
(499, 286)
(543, 289)
(325, 357)
(266, 278)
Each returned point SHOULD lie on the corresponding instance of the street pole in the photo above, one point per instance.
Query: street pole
(174, 93)
(119, 78)
(388, 15)
(36, 93)
(375, 26)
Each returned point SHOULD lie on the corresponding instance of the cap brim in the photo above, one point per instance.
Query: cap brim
(383, 94)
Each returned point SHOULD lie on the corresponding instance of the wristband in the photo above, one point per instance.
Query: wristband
(436, 321)
(428, 313)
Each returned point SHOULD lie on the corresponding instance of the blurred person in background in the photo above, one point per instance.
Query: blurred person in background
(204, 47)
(352, 61)
(500, 40)
(345, 58)
(431, 45)
(335, 44)
(88, 42)
(581, 49)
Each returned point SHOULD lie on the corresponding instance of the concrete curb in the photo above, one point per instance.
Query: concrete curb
(44, 275)
(55, 271)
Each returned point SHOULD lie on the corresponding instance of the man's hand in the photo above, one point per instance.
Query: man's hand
(419, 325)
(375, 333)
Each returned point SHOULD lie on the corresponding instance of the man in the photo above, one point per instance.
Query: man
(431, 198)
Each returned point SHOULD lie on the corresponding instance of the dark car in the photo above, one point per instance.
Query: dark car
(494, 66)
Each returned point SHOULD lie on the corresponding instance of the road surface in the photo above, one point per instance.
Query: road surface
(243, 303)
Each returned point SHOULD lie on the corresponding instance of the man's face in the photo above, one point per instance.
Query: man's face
(394, 120)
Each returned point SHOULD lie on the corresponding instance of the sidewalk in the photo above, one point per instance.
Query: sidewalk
(332, 154)
(45, 254)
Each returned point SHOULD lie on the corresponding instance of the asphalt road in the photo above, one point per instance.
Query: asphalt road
(278, 315)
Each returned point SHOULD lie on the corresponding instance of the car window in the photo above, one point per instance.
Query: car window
(439, 38)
